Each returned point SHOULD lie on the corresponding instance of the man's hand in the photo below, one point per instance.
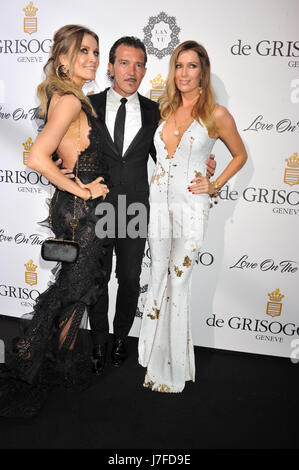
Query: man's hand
(66, 171)
(210, 166)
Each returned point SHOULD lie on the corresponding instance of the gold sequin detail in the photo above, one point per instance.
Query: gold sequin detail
(187, 262)
(149, 384)
(197, 174)
(178, 271)
(156, 311)
(191, 142)
(164, 388)
(157, 388)
(158, 175)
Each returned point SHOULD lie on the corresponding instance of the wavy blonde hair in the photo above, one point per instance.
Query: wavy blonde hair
(171, 99)
(57, 81)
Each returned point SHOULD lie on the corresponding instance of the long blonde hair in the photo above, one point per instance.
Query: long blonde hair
(171, 98)
(57, 81)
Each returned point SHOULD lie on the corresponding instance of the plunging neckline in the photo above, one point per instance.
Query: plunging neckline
(179, 142)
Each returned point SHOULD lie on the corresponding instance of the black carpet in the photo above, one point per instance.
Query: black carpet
(239, 401)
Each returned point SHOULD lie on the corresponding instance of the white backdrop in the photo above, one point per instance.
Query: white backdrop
(251, 247)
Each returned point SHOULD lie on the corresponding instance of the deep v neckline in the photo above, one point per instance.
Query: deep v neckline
(179, 142)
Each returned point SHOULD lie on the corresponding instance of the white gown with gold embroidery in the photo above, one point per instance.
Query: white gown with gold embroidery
(176, 230)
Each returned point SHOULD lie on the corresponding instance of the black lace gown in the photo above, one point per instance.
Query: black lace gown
(46, 355)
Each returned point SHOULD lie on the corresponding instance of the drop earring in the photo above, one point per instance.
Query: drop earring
(60, 73)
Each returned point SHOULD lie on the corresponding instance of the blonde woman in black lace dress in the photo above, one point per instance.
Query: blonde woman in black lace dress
(46, 354)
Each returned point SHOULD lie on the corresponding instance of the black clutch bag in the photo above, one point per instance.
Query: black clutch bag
(54, 249)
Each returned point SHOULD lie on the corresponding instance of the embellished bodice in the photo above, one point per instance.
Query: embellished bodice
(173, 174)
(193, 148)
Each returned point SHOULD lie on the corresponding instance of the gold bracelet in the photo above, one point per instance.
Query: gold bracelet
(216, 186)
(214, 196)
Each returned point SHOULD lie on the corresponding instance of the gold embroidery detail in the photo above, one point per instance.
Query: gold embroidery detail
(198, 174)
(164, 388)
(149, 384)
(159, 175)
(178, 271)
(187, 262)
(157, 388)
(156, 311)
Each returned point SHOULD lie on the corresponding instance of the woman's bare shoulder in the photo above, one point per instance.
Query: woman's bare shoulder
(67, 102)
(221, 112)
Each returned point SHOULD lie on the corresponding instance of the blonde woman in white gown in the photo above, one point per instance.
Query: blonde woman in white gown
(179, 208)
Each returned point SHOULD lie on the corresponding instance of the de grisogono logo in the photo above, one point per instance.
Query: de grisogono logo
(161, 35)
(24, 295)
(291, 173)
(269, 48)
(274, 305)
(281, 201)
(271, 331)
(158, 87)
(25, 50)
(27, 147)
(30, 20)
(27, 181)
(30, 273)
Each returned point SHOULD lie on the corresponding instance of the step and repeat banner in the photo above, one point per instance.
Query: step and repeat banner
(245, 282)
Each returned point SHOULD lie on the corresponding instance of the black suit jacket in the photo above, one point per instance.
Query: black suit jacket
(128, 173)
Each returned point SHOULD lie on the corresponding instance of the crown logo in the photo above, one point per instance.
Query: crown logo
(27, 147)
(274, 307)
(27, 144)
(158, 85)
(293, 161)
(30, 266)
(30, 10)
(291, 173)
(30, 20)
(30, 274)
(276, 296)
(158, 82)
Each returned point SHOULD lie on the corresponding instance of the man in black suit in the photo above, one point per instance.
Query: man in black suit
(129, 127)
(129, 122)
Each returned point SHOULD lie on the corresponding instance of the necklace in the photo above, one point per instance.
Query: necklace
(177, 128)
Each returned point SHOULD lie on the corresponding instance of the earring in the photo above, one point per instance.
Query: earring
(60, 73)
(200, 88)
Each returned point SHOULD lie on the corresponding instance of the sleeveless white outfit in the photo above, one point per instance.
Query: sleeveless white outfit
(176, 230)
